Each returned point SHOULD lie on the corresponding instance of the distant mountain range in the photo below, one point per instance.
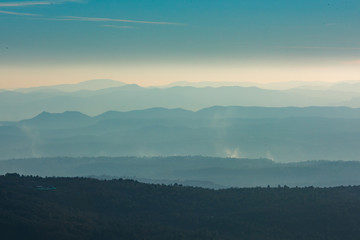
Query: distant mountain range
(99, 96)
(209, 172)
(283, 134)
(97, 84)
(110, 118)
(90, 85)
(270, 86)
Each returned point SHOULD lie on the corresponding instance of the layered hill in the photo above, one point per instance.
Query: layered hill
(208, 172)
(281, 134)
(18, 105)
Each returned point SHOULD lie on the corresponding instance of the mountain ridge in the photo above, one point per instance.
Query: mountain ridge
(18, 106)
(283, 134)
(220, 111)
(225, 172)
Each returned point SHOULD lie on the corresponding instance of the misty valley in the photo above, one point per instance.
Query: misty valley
(280, 134)
(179, 120)
(88, 158)
(196, 171)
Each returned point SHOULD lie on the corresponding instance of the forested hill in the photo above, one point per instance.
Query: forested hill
(80, 208)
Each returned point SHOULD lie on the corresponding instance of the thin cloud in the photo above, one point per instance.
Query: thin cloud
(319, 47)
(22, 4)
(93, 19)
(115, 26)
(34, 3)
(330, 24)
(30, 3)
(74, 18)
(18, 14)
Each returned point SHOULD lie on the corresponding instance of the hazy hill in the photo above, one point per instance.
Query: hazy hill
(18, 106)
(58, 120)
(277, 112)
(194, 170)
(148, 113)
(272, 85)
(349, 86)
(217, 112)
(282, 134)
(92, 85)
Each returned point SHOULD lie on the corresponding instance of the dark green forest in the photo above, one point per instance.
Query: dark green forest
(83, 208)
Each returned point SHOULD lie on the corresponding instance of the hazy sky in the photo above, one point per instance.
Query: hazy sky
(153, 42)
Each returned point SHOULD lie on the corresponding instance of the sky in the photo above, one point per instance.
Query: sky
(155, 42)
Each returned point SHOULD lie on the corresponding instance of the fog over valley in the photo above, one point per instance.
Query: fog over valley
(179, 120)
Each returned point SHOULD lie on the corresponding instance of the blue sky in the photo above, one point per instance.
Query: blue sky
(42, 38)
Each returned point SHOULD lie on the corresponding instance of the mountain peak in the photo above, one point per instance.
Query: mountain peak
(47, 119)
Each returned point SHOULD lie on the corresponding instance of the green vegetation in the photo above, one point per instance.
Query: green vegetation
(80, 208)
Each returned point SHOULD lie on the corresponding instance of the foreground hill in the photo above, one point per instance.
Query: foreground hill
(206, 172)
(281, 134)
(79, 208)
